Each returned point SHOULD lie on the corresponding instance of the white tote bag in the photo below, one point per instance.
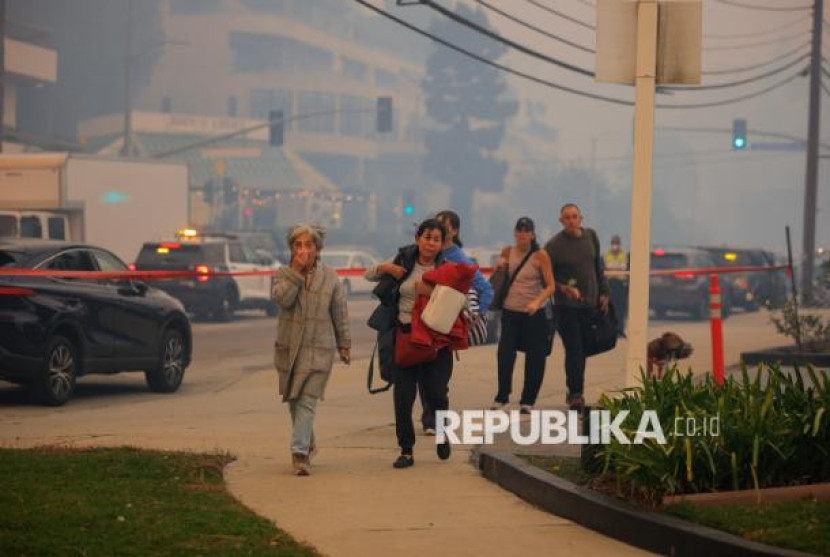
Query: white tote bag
(443, 308)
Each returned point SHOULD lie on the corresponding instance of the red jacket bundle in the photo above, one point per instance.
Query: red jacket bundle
(458, 276)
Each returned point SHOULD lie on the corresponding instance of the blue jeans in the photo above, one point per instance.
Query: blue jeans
(302, 421)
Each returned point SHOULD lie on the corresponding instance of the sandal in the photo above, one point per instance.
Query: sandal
(404, 461)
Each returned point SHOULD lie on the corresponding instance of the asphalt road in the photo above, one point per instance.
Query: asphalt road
(253, 333)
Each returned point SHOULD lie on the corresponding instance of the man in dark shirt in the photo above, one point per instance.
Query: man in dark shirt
(580, 286)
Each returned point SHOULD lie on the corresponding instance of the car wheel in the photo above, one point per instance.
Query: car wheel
(167, 376)
(56, 381)
(226, 308)
(271, 309)
(347, 288)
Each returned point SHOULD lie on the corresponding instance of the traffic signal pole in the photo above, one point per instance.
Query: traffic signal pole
(638, 298)
(811, 180)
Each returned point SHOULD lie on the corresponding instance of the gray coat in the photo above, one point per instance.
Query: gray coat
(311, 325)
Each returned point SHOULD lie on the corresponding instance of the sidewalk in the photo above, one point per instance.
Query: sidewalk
(357, 504)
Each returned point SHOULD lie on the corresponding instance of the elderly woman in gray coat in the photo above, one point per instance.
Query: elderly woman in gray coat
(312, 324)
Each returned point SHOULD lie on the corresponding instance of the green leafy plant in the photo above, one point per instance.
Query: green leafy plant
(774, 430)
(812, 327)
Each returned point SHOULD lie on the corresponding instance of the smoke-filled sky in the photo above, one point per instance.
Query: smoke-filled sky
(704, 192)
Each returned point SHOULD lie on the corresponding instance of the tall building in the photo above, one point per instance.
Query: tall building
(29, 63)
(322, 63)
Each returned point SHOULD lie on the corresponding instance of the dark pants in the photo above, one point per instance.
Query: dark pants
(618, 290)
(427, 411)
(570, 322)
(434, 377)
(529, 332)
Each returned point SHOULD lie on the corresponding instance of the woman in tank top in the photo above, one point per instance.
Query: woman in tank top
(523, 322)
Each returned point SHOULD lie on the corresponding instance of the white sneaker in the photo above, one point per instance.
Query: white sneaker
(525, 409)
(503, 406)
(429, 431)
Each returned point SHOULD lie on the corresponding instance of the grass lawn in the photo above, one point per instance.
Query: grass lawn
(801, 525)
(127, 502)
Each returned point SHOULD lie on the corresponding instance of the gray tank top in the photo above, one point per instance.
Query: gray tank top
(528, 285)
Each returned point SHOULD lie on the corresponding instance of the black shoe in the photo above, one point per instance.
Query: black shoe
(404, 461)
(444, 450)
(577, 403)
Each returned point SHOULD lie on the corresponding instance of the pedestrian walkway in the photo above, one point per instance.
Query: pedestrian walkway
(357, 504)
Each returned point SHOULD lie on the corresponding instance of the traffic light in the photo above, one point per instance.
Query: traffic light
(276, 128)
(408, 206)
(207, 192)
(231, 197)
(739, 142)
(384, 114)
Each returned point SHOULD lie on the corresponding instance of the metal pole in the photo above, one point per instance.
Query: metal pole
(791, 272)
(2, 72)
(127, 148)
(641, 189)
(811, 182)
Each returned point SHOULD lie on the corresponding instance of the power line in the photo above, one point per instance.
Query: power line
(737, 99)
(557, 86)
(742, 81)
(535, 28)
(742, 46)
(740, 69)
(735, 4)
(560, 14)
(493, 35)
(479, 58)
(761, 33)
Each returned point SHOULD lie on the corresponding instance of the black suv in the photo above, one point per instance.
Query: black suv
(54, 330)
(218, 296)
(751, 290)
(683, 291)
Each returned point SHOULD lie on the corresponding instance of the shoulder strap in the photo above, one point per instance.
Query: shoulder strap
(371, 375)
(519, 268)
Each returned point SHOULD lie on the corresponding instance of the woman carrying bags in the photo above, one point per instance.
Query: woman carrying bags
(524, 324)
(403, 276)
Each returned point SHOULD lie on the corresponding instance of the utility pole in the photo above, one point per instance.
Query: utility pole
(811, 182)
(127, 148)
(645, 82)
(2, 72)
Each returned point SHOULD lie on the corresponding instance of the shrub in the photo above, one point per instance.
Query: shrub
(774, 431)
(813, 328)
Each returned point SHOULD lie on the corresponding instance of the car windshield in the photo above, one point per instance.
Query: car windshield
(336, 260)
(669, 261)
(168, 254)
(10, 258)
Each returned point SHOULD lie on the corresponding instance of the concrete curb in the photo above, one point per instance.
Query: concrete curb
(614, 518)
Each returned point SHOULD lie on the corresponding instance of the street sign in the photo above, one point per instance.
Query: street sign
(679, 45)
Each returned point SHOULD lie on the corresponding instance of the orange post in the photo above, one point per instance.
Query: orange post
(716, 322)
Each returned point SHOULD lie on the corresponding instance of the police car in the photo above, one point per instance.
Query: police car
(215, 296)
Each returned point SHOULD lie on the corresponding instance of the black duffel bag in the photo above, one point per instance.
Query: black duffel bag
(600, 331)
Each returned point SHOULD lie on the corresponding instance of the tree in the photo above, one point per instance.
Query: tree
(467, 112)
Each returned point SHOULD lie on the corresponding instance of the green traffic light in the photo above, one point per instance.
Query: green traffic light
(739, 142)
(409, 210)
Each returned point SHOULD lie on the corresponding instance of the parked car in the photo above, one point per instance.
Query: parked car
(343, 258)
(54, 330)
(751, 290)
(683, 291)
(219, 296)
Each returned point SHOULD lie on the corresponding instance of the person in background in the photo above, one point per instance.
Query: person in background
(312, 324)
(617, 260)
(523, 318)
(453, 253)
(580, 287)
(406, 270)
